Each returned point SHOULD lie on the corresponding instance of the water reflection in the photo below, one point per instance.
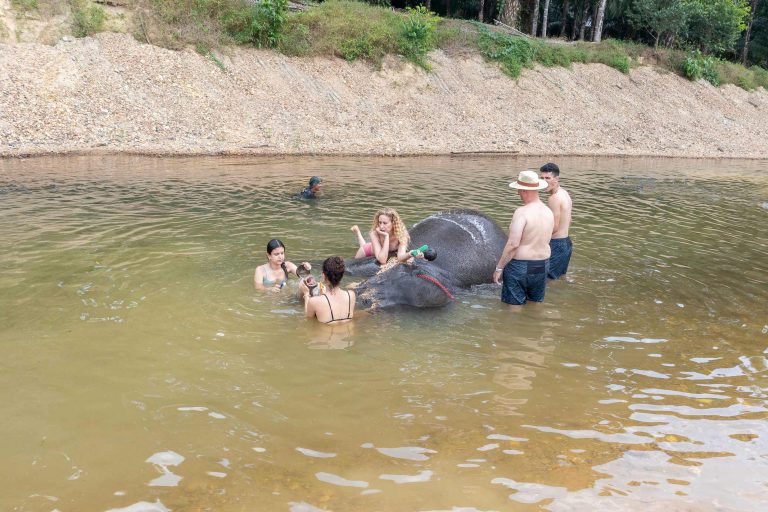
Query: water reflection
(130, 330)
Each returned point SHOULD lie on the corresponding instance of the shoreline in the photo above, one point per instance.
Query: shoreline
(464, 154)
(111, 95)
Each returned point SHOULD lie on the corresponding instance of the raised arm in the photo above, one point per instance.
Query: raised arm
(291, 267)
(380, 250)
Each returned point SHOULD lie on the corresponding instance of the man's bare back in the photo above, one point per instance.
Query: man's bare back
(537, 225)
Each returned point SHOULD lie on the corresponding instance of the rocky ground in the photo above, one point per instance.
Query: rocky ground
(113, 94)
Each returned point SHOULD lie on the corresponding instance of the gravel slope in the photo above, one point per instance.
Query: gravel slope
(112, 94)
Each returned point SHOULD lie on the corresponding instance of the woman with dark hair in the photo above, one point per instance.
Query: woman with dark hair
(335, 305)
(273, 275)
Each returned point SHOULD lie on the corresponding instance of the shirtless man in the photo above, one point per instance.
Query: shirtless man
(524, 262)
(560, 204)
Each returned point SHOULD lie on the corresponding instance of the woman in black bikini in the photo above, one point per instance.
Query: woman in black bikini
(335, 305)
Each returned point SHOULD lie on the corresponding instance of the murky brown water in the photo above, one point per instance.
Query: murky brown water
(139, 365)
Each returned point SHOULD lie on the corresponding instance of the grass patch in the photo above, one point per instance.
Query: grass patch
(361, 31)
(515, 53)
(746, 78)
(355, 30)
(350, 30)
(24, 5)
(87, 18)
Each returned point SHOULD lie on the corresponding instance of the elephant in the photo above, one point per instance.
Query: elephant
(468, 245)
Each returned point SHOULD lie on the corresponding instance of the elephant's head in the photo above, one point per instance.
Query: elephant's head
(421, 285)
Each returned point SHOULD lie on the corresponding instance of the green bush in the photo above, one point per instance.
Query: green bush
(514, 53)
(417, 35)
(697, 66)
(260, 24)
(551, 55)
(358, 48)
(351, 30)
(761, 76)
(86, 19)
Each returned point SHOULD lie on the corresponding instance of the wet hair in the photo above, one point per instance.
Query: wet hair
(398, 228)
(333, 268)
(551, 168)
(271, 246)
(274, 244)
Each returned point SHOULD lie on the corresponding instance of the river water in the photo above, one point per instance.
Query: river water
(142, 372)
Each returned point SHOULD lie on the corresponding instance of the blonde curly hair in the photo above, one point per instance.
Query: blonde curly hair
(398, 228)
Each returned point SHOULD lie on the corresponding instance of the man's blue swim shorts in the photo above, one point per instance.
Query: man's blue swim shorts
(562, 248)
(524, 280)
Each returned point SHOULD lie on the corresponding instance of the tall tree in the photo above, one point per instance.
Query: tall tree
(510, 13)
(545, 19)
(583, 26)
(745, 49)
(534, 17)
(482, 8)
(597, 28)
(661, 19)
(564, 18)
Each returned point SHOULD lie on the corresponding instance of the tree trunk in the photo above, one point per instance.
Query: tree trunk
(745, 50)
(564, 18)
(534, 17)
(597, 27)
(447, 8)
(429, 5)
(482, 8)
(545, 19)
(510, 13)
(583, 27)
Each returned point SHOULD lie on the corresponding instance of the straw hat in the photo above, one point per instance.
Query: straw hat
(528, 180)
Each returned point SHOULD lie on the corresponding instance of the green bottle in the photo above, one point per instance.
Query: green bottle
(423, 248)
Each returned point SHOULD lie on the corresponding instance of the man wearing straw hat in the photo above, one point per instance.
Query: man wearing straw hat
(524, 262)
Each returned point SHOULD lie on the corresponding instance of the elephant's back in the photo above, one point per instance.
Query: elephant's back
(468, 243)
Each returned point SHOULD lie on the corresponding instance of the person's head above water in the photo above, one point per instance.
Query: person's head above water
(276, 254)
(315, 182)
(387, 219)
(333, 270)
(550, 168)
(551, 174)
(274, 244)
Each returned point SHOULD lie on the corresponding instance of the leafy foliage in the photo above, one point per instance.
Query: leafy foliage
(351, 30)
(714, 26)
(417, 35)
(663, 20)
(515, 53)
(697, 66)
(260, 24)
(86, 19)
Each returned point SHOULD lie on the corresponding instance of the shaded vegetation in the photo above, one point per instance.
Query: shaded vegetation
(693, 38)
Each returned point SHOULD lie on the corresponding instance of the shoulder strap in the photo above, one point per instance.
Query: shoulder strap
(349, 304)
(329, 306)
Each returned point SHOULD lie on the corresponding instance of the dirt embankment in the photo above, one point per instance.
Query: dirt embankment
(111, 93)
